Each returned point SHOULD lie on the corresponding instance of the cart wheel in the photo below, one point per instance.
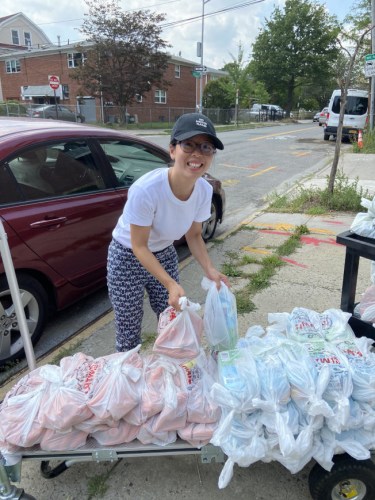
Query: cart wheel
(349, 479)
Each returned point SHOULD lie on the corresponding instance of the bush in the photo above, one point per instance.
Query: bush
(12, 108)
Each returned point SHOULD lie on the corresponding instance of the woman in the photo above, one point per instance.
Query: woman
(163, 205)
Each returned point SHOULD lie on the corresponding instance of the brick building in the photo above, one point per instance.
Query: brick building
(24, 77)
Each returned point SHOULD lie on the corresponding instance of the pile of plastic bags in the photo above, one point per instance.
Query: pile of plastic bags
(118, 398)
(304, 389)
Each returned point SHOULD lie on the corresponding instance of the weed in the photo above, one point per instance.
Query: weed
(368, 143)
(248, 259)
(346, 197)
(289, 246)
(243, 301)
(66, 351)
(148, 340)
(231, 268)
(97, 486)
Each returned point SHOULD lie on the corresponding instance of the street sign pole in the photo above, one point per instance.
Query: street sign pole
(54, 83)
(372, 101)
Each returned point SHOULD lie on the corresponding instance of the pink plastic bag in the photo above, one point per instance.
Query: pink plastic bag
(180, 333)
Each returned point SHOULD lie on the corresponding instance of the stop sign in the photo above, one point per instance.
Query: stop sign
(54, 82)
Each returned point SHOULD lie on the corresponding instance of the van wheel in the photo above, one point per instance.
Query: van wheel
(326, 137)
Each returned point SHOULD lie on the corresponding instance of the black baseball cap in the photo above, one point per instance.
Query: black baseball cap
(192, 124)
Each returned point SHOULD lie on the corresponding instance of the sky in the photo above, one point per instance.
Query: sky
(238, 22)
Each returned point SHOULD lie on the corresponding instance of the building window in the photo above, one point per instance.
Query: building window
(13, 66)
(138, 98)
(27, 37)
(160, 96)
(15, 37)
(177, 71)
(76, 59)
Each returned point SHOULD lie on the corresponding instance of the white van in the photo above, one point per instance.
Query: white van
(355, 116)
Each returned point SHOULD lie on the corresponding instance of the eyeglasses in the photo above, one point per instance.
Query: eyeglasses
(206, 148)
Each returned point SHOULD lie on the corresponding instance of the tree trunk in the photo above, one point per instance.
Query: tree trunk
(344, 93)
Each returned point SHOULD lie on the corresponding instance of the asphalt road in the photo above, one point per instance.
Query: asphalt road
(253, 164)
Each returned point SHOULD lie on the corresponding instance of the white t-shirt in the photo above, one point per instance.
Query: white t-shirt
(151, 202)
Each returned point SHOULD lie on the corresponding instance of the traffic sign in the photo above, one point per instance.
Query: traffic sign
(200, 68)
(370, 65)
(54, 82)
(196, 74)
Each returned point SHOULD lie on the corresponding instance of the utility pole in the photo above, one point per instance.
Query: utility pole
(372, 102)
(202, 59)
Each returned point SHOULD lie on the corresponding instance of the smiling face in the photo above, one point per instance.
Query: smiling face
(192, 164)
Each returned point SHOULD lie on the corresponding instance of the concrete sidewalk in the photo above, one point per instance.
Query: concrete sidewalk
(311, 277)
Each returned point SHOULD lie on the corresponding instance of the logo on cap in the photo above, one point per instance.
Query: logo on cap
(201, 123)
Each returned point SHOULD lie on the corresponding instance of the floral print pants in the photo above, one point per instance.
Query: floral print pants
(127, 281)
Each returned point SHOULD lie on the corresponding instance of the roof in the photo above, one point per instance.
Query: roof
(37, 91)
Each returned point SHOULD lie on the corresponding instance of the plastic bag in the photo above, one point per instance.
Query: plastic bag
(179, 333)
(220, 316)
(364, 223)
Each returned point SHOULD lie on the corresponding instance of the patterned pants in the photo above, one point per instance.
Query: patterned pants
(127, 280)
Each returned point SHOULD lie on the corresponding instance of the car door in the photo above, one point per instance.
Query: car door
(69, 210)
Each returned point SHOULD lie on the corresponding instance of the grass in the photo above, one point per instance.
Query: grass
(261, 279)
(346, 197)
(368, 143)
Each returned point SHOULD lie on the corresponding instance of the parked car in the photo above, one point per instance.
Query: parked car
(63, 187)
(55, 112)
(316, 117)
(323, 116)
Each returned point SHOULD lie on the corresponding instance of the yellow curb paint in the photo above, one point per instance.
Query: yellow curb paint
(280, 133)
(256, 250)
(262, 172)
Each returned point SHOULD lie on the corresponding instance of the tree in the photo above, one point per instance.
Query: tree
(296, 48)
(218, 94)
(222, 93)
(124, 53)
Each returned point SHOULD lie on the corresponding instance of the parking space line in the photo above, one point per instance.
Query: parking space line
(262, 172)
(279, 133)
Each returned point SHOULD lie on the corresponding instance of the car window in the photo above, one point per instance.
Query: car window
(58, 169)
(354, 105)
(9, 192)
(130, 160)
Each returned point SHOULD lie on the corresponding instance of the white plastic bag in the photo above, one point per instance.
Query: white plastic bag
(220, 316)
(364, 223)
(179, 332)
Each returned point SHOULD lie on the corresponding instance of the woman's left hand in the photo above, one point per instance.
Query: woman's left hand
(214, 275)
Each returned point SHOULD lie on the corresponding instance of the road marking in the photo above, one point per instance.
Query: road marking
(280, 133)
(262, 172)
(238, 166)
(304, 153)
(230, 182)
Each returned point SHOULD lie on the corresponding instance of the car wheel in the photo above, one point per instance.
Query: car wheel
(320, 124)
(348, 478)
(209, 226)
(35, 302)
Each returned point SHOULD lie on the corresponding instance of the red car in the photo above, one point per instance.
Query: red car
(62, 189)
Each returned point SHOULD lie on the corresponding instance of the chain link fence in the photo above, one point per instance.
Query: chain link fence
(147, 117)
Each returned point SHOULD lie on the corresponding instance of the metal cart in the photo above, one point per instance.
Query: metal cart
(348, 479)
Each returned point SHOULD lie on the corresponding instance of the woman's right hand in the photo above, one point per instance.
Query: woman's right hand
(175, 291)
